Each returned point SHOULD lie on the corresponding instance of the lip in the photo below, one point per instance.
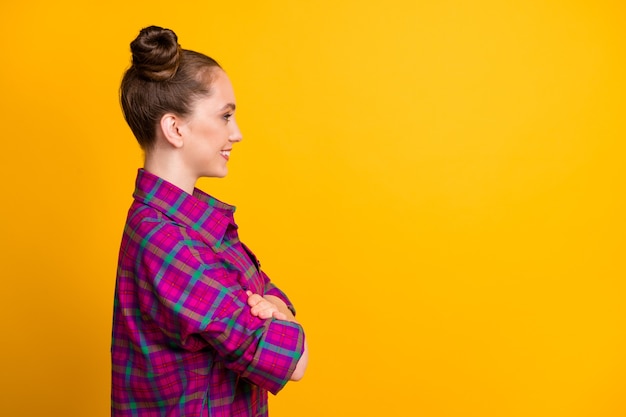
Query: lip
(226, 153)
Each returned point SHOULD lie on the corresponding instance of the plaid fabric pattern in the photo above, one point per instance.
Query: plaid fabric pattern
(184, 342)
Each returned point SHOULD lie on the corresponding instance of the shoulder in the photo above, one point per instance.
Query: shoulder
(148, 227)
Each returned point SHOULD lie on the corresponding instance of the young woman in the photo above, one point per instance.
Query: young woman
(198, 328)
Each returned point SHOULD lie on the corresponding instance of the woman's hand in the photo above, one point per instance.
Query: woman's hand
(282, 307)
(263, 308)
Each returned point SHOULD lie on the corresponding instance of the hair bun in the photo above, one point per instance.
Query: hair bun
(156, 53)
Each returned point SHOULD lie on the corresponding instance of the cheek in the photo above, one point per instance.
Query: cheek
(215, 132)
(207, 136)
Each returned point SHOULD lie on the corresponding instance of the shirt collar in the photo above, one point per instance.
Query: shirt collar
(199, 211)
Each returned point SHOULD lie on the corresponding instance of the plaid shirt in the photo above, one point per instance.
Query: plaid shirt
(184, 341)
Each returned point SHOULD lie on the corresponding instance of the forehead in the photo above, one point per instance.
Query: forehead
(221, 97)
(221, 88)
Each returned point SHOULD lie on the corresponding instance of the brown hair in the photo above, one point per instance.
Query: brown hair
(163, 78)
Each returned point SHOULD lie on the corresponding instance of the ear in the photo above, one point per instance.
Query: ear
(171, 125)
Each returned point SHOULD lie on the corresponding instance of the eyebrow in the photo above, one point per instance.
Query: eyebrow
(229, 106)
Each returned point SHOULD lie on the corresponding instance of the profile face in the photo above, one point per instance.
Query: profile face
(211, 130)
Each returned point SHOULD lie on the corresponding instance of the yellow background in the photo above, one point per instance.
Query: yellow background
(438, 185)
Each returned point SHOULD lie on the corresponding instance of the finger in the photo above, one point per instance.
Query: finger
(254, 299)
(266, 314)
(260, 312)
(263, 308)
(256, 304)
(256, 309)
(279, 316)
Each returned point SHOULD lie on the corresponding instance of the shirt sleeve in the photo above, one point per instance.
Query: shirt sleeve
(197, 302)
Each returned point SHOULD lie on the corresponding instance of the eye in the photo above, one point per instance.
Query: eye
(227, 116)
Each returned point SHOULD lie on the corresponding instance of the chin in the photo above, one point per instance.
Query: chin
(221, 174)
(215, 173)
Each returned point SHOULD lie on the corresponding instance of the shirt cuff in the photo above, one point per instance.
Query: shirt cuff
(277, 355)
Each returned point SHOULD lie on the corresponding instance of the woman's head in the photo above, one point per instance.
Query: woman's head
(163, 78)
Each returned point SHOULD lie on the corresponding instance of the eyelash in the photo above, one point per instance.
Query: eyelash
(227, 116)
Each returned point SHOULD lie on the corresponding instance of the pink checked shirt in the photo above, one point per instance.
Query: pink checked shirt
(184, 341)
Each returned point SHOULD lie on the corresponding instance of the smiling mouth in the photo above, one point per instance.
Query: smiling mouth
(225, 154)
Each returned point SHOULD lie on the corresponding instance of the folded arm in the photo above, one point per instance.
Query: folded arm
(271, 306)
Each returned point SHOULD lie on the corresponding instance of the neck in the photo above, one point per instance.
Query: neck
(168, 166)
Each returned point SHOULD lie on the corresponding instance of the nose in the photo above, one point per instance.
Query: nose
(235, 134)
